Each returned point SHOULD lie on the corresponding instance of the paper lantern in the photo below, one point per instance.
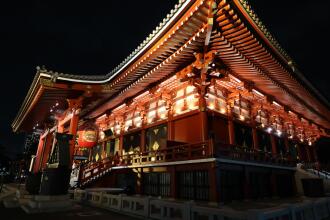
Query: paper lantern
(87, 138)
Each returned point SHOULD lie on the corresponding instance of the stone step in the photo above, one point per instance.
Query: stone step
(41, 203)
(29, 210)
(7, 194)
(11, 203)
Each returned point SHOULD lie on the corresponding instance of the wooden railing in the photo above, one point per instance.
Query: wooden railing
(176, 153)
(234, 152)
(182, 153)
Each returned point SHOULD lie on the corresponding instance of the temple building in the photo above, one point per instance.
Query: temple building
(209, 107)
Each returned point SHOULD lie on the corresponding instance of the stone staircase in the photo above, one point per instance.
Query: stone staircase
(18, 197)
(310, 173)
(42, 203)
(320, 173)
(14, 197)
(7, 192)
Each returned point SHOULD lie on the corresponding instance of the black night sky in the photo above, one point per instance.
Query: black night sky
(93, 37)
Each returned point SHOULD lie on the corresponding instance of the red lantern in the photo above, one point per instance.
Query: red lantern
(87, 137)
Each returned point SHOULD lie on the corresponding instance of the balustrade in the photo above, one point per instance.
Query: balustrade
(234, 152)
(162, 209)
(181, 153)
(170, 154)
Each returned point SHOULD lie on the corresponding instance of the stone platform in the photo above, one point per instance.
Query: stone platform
(37, 203)
(41, 203)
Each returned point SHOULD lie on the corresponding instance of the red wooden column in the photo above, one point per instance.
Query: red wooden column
(204, 125)
(121, 144)
(231, 130)
(143, 140)
(254, 114)
(170, 124)
(121, 137)
(47, 150)
(203, 118)
(73, 131)
(36, 164)
(170, 130)
(143, 132)
(203, 114)
(74, 108)
(41, 155)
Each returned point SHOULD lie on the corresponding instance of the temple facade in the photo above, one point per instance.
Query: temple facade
(209, 107)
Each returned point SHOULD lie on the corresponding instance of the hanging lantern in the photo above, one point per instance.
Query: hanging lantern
(87, 137)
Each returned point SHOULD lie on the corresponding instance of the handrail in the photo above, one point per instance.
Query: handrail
(183, 152)
(315, 168)
(251, 154)
(175, 153)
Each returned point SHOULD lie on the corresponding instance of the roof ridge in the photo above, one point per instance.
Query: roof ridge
(263, 28)
(56, 74)
(149, 38)
(130, 56)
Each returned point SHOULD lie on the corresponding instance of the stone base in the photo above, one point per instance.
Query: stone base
(41, 203)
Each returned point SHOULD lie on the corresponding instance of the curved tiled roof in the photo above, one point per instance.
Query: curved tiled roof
(152, 36)
(289, 61)
(282, 53)
(181, 7)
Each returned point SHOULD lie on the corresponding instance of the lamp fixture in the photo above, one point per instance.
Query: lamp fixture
(269, 129)
(279, 133)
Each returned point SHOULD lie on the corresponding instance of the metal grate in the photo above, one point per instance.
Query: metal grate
(193, 185)
(157, 184)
